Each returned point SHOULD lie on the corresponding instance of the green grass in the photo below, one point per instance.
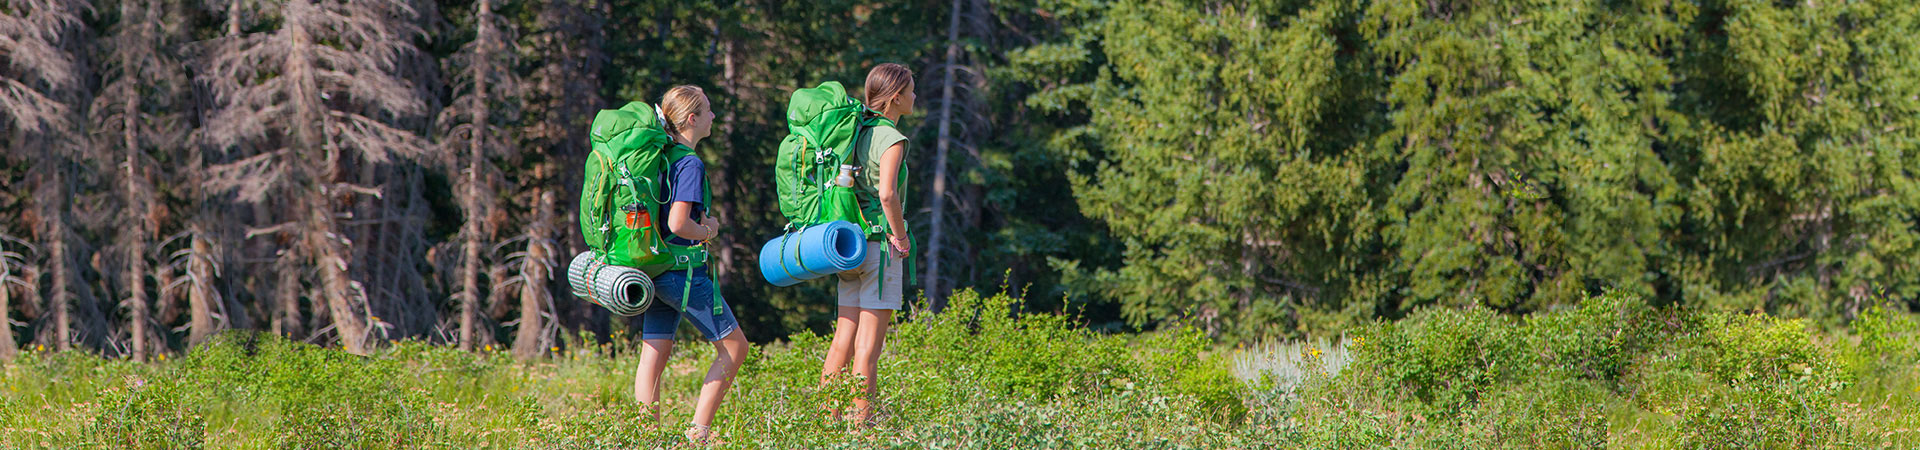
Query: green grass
(1609, 374)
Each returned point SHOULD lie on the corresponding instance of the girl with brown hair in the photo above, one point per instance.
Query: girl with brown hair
(870, 293)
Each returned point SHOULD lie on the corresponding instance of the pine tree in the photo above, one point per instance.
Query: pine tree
(474, 128)
(1207, 169)
(43, 89)
(566, 49)
(135, 118)
(318, 95)
(961, 124)
(1798, 171)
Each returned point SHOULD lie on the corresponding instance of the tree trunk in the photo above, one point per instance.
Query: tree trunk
(336, 286)
(286, 300)
(938, 200)
(54, 233)
(470, 263)
(530, 340)
(476, 157)
(61, 299)
(729, 81)
(7, 348)
(200, 290)
(136, 302)
(138, 209)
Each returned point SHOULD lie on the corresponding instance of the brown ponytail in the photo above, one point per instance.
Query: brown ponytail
(885, 82)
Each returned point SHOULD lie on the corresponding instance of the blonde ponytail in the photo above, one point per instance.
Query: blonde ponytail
(678, 103)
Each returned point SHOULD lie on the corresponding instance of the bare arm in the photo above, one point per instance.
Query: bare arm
(890, 197)
(680, 221)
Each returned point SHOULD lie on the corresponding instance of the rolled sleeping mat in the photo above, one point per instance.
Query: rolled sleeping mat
(623, 290)
(813, 252)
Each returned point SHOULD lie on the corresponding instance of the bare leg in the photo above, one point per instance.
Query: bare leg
(646, 376)
(841, 350)
(867, 344)
(729, 352)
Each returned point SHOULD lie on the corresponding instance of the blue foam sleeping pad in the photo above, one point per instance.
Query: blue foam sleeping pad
(813, 252)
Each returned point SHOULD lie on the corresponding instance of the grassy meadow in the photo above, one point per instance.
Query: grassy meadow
(1610, 373)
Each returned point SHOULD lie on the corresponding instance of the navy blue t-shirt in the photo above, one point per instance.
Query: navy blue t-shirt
(686, 182)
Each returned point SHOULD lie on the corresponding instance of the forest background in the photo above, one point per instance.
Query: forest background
(355, 173)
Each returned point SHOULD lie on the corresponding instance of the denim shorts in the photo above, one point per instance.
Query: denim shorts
(661, 319)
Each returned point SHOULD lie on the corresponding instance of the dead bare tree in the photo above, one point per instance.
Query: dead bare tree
(316, 93)
(487, 92)
(393, 242)
(16, 276)
(536, 331)
(960, 125)
(42, 90)
(193, 269)
(567, 46)
(134, 118)
(391, 229)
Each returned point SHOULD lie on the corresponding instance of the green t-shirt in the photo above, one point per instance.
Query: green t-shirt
(867, 150)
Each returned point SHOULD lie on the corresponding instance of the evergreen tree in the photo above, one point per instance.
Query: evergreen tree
(1799, 167)
(319, 95)
(43, 89)
(136, 122)
(473, 130)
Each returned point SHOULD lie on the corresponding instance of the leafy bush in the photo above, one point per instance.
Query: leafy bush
(1612, 373)
(1773, 385)
(1444, 358)
(143, 415)
(1892, 337)
(1598, 340)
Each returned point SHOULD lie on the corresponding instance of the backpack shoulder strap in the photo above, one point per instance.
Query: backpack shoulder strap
(867, 124)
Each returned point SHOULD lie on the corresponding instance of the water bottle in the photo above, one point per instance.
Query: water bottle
(846, 176)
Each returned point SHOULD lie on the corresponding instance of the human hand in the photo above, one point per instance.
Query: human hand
(712, 226)
(901, 246)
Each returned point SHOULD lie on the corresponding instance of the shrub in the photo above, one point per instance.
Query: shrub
(989, 378)
(1598, 340)
(1444, 358)
(1030, 356)
(1890, 336)
(1740, 349)
(1771, 385)
(1760, 416)
(148, 415)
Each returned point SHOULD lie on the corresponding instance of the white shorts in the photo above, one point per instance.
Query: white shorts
(865, 287)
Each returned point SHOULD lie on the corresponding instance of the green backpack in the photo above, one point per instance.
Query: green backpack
(621, 194)
(823, 124)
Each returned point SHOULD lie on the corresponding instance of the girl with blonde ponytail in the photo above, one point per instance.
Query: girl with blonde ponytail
(688, 117)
